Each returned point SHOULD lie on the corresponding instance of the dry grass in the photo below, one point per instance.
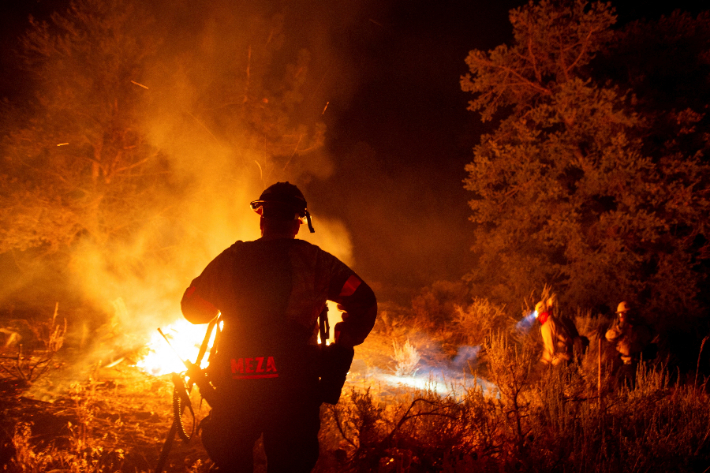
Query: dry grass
(541, 420)
(116, 421)
(538, 420)
(406, 358)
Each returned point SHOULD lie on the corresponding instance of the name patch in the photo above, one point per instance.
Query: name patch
(254, 368)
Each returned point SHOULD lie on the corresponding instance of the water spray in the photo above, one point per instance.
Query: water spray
(524, 325)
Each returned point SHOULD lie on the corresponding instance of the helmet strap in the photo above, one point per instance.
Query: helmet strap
(310, 224)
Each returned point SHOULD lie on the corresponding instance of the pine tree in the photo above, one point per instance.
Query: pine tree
(116, 105)
(565, 189)
(80, 166)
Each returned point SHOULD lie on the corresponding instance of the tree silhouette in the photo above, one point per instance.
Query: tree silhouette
(565, 189)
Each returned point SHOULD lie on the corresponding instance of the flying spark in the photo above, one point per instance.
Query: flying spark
(139, 85)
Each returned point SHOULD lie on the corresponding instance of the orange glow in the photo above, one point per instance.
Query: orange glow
(185, 339)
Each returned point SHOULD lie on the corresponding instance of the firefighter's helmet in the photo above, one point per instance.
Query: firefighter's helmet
(282, 201)
(551, 301)
(623, 307)
(540, 307)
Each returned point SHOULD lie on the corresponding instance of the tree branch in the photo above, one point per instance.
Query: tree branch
(511, 71)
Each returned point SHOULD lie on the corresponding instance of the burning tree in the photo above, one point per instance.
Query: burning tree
(577, 186)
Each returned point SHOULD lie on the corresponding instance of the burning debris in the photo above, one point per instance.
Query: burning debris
(119, 417)
(163, 359)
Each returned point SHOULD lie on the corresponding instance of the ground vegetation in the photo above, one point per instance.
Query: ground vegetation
(533, 417)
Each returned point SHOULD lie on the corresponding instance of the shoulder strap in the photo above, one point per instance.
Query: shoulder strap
(324, 326)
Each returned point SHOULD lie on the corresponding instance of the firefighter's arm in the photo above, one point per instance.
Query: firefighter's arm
(614, 332)
(196, 309)
(360, 310)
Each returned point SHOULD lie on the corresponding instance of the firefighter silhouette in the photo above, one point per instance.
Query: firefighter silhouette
(271, 376)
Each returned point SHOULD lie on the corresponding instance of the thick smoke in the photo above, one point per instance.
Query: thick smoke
(239, 95)
(232, 102)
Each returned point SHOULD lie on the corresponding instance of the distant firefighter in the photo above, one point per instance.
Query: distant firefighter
(630, 333)
(557, 340)
(562, 342)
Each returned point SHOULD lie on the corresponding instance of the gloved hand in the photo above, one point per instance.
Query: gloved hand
(335, 363)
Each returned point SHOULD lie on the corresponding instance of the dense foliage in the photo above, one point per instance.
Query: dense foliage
(80, 164)
(595, 179)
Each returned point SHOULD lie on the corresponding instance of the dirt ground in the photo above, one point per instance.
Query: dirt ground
(78, 417)
(114, 419)
(81, 416)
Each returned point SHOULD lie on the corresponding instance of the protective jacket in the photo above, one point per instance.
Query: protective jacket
(556, 339)
(270, 293)
(631, 338)
(267, 364)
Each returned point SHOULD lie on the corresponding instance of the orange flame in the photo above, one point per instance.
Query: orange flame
(185, 339)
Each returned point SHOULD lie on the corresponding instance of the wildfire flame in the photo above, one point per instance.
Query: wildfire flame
(185, 339)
